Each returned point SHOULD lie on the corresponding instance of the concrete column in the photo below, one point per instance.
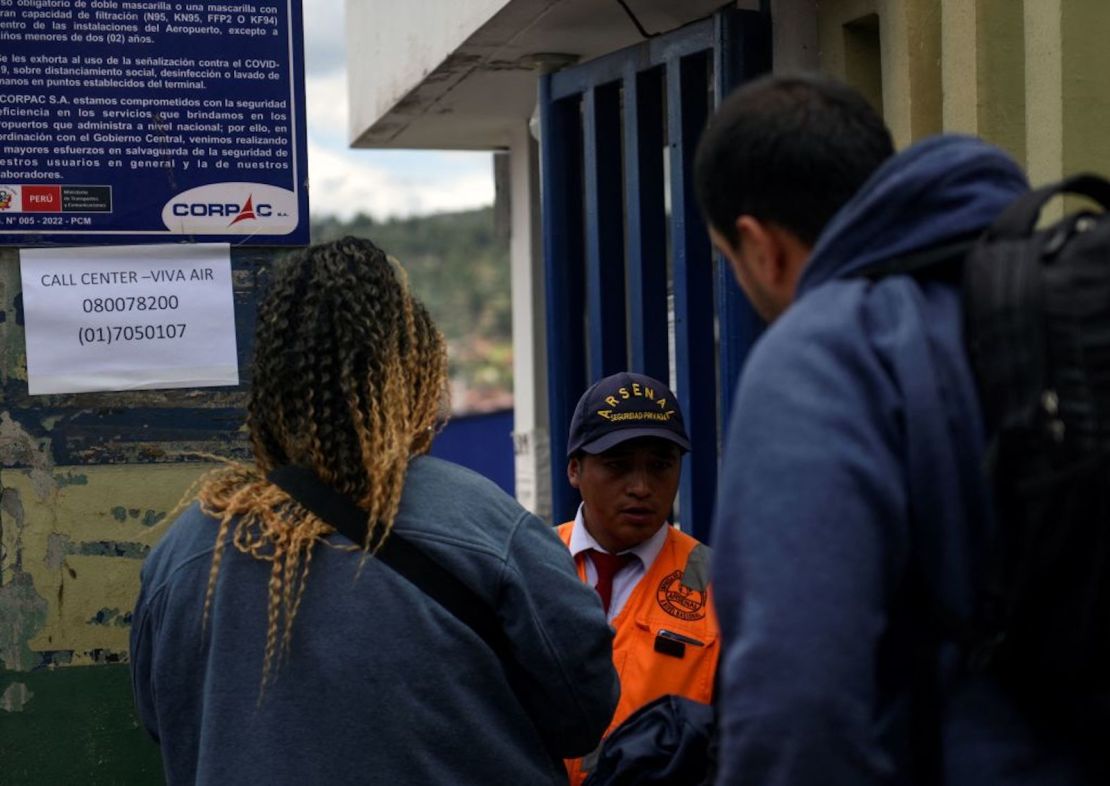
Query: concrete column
(983, 71)
(1067, 110)
(959, 65)
(909, 53)
(1085, 59)
(1044, 97)
(833, 18)
(911, 68)
(794, 29)
(530, 430)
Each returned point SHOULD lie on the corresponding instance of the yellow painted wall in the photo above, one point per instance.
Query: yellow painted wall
(1043, 90)
(87, 481)
(910, 47)
(983, 71)
(1085, 52)
(79, 534)
(1001, 75)
(1027, 75)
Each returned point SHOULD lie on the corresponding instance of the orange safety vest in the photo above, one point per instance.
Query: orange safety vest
(673, 596)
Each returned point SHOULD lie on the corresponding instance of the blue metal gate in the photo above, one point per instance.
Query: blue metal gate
(611, 129)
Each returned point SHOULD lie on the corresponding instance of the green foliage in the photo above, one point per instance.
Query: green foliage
(459, 268)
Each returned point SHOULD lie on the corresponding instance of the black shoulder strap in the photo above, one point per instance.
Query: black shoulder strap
(398, 553)
(918, 261)
(1020, 218)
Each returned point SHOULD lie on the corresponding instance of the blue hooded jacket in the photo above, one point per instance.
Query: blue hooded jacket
(380, 685)
(854, 460)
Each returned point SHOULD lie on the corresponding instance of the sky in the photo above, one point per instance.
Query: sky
(382, 183)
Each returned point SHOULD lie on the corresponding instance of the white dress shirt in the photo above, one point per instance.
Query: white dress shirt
(630, 574)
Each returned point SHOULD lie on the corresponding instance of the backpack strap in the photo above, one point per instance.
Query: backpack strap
(918, 261)
(964, 259)
(1021, 216)
(398, 553)
(406, 559)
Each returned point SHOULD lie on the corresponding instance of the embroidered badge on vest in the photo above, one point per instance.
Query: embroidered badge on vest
(678, 600)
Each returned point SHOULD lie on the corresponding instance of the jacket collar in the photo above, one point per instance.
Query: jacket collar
(934, 191)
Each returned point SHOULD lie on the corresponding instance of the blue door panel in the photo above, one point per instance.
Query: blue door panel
(624, 271)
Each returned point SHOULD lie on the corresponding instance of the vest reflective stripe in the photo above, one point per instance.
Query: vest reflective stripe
(695, 573)
(674, 595)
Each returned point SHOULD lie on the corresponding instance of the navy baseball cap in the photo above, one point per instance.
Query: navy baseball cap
(625, 406)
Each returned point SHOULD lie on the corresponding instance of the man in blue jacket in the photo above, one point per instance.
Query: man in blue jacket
(852, 499)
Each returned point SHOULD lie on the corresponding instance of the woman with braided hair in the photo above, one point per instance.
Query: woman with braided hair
(268, 647)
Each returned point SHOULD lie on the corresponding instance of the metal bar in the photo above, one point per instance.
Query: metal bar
(561, 175)
(646, 217)
(743, 52)
(601, 109)
(687, 108)
(694, 37)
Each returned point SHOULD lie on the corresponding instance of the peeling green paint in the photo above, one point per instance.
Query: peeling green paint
(148, 517)
(24, 613)
(12, 346)
(113, 548)
(11, 504)
(15, 697)
(20, 448)
(81, 557)
(57, 546)
(48, 659)
(86, 484)
(11, 553)
(111, 617)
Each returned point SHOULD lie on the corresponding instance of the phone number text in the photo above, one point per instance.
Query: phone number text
(108, 334)
(107, 305)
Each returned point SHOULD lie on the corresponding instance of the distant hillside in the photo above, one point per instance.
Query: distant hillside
(459, 268)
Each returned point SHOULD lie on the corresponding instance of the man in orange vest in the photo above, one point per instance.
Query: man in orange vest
(624, 456)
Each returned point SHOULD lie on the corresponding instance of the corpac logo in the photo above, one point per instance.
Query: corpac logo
(247, 213)
(233, 209)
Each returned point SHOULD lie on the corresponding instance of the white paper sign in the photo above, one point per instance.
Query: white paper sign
(129, 317)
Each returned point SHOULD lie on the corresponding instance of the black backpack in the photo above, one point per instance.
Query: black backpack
(1037, 330)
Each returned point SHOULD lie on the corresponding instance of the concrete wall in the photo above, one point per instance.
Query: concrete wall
(1024, 74)
(908, 80)
(87, 482)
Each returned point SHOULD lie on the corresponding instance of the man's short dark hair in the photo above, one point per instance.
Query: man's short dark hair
(790, 150)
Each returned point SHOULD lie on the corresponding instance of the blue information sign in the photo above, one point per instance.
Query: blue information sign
(143, 121)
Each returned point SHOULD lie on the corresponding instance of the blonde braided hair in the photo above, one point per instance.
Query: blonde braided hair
(349, 379)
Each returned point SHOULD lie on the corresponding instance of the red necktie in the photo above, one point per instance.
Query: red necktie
(607, 566)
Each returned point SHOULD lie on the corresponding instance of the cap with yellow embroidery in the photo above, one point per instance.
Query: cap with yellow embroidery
(625, 406)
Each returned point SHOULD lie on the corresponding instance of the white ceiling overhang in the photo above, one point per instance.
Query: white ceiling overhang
(463, 76)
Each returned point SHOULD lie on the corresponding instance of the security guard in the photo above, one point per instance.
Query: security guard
(624, 457)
